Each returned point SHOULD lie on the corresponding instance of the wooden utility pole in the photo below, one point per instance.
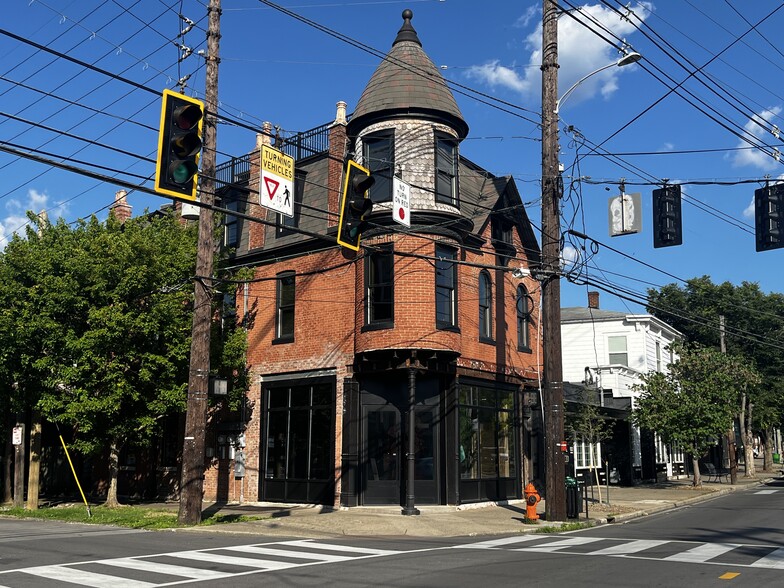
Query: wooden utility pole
(192, 479)
(19, 461)
(732, 455)
(552, 381)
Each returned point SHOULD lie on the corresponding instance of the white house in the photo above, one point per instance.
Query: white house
(610, 350)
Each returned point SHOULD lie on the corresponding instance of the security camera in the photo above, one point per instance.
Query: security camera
(521, 273)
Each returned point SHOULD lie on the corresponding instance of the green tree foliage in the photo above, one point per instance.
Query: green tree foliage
(695, 402)
(101, 316)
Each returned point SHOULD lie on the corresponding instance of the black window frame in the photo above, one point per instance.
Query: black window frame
(231, 224)
(381, 167)
(284, 307)
(485, 290)
(446, 265)
(523, 319)
(288, 225)
(446, 170)
(381, 294)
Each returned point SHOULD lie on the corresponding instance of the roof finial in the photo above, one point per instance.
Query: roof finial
(407, 32)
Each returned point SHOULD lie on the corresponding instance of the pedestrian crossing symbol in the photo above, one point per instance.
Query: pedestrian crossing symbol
(276, 185)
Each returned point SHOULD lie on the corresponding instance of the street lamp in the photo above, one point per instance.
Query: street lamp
(627, 59)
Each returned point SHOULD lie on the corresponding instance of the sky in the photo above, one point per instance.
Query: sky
(701, 108)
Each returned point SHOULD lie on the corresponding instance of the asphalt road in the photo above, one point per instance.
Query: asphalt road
(732, 540)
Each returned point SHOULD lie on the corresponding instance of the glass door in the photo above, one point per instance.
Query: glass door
(383, 457)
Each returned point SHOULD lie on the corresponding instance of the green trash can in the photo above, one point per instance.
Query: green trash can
(573, 498)
(776, 458)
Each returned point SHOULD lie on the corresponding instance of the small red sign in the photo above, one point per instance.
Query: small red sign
(272, 186)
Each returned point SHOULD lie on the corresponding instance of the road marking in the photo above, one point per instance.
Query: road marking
(703, 553)
(336, 547)
(729, 576)
(775, 559)
(493, 543)
(233, 560)
(766, 492)
(311, 555)
(563, 544)
(162, 568)
(82, 578)
(630, 547)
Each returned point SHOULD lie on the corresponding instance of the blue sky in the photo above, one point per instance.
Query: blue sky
(275, 68)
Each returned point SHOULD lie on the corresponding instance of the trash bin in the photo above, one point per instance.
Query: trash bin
(776, 458)
(574, 498)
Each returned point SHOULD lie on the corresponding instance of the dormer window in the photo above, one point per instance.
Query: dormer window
(446, 170)
(378, 155)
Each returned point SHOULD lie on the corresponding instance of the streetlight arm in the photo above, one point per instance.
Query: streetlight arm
(627, 59)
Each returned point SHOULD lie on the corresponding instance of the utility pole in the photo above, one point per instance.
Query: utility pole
(192, 479)
(732, 455)
(552, 187)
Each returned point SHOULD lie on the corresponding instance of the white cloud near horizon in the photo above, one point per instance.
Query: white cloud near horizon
(756, 129)
(580, 51)
(14, 219)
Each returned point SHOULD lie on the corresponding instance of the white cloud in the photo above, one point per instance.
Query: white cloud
(526, 18)
(580, 51)
(569, 256)
(756, 130)
(748, 212)
(667, 147)
(15, 218)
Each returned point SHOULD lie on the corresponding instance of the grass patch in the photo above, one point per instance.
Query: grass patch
(132, 517)
(564, 528)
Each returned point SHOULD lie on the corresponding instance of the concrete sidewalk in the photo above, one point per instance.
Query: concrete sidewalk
(468, 520)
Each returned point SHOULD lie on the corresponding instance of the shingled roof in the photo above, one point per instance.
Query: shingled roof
(407, 84)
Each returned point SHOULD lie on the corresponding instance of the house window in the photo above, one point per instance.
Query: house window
(446, 287)
(486, 429)
(299, 432)
(379, 157)
(523, 315)
(379, 288)
(587, 455)
(284, 308)
(658, 356)
(286, 225)
(446, 170)
(485, 306)
(616, 345)
(231, 234)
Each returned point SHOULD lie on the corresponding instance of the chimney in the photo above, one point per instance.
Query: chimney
(265, 137)
(121, 209)
(593, 299)
(338, 142)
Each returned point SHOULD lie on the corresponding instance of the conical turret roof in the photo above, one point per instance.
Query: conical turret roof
(407, 84)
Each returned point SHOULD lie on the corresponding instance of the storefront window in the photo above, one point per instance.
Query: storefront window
(487, 439)
(299, 425)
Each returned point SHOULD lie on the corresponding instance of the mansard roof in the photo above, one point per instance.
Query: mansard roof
(407, 84)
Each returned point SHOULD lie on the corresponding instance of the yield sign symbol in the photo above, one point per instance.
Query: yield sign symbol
(272, 186)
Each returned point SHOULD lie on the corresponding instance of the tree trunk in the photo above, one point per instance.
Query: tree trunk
(34, 473)
(742, 423)
(114, 470)
(748, 445)
(8, 460)
(767, 450)
(695, 464)
(733, 455)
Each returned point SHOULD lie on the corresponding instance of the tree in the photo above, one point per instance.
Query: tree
(588, 424)
(694, 403)
(102, 317)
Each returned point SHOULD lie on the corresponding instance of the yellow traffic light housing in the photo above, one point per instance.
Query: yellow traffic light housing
(354, 206)
(179, 145)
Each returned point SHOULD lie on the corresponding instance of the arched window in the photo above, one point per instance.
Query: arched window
(485, 306)
(523, 318)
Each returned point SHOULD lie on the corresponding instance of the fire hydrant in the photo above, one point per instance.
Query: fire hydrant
(532, 498)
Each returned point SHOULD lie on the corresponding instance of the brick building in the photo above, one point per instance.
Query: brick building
(339, 343)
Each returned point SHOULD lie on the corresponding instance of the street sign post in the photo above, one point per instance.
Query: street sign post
(401, 202)
(276, 186)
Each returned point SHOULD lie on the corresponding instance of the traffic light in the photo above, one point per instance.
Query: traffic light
(667, 228)
(179, 145)
(768, 212)
(354, 206)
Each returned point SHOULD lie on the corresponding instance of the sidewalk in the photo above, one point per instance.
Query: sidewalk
(468, 520)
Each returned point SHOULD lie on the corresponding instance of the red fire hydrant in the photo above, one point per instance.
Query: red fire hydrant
(532, 498)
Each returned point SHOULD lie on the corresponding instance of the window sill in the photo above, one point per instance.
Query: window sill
(524, 349)
(379, 326)
(487, 340)
(450, 328)
(282, 340)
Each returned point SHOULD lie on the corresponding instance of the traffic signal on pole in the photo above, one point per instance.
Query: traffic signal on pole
(769, 217)
(354, 206)
(667, 225)
(179, 145)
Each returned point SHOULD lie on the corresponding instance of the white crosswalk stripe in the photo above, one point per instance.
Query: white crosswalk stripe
(691, 552)
(233, 559)
(773, 491)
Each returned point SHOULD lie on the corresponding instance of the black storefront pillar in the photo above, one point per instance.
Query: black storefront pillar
(410, 509)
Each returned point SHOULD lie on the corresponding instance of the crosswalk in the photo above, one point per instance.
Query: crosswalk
(736, 554)
(180, 567)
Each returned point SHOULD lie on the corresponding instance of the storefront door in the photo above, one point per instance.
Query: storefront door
(382, 463)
